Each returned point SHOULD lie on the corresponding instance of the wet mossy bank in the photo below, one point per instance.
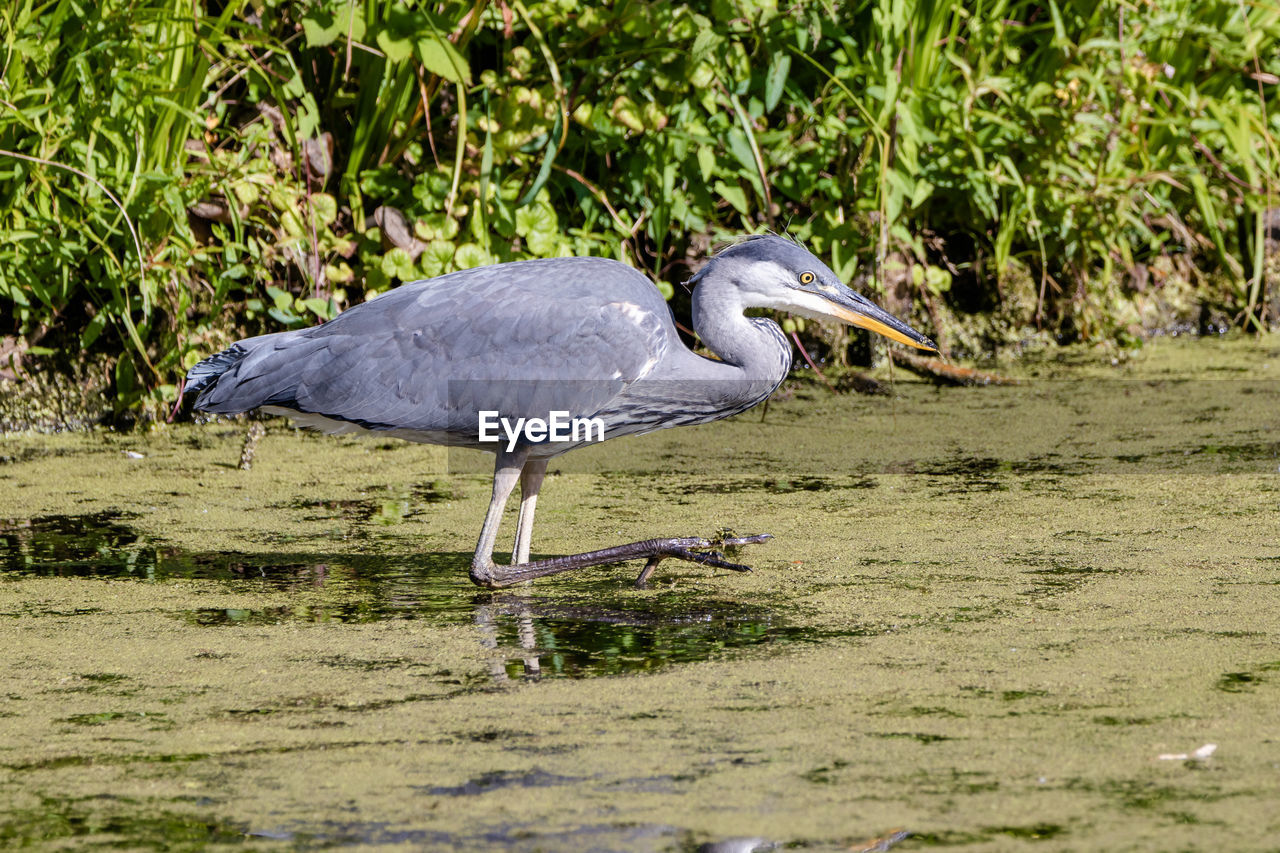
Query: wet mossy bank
(986, 614)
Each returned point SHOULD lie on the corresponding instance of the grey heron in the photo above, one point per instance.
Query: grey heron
(587, 337)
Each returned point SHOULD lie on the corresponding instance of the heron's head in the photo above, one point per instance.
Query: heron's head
(774, 272)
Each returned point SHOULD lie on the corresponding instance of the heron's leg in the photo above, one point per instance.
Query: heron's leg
(530, 482)
(507, 470)
(506, 473)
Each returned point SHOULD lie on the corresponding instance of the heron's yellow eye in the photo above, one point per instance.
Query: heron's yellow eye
(806, 278)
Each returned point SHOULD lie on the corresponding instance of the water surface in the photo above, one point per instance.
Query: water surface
(986, 614)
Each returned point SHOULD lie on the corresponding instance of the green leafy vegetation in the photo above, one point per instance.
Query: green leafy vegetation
(176, 175)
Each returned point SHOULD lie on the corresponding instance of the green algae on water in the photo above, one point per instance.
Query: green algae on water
(985, 614)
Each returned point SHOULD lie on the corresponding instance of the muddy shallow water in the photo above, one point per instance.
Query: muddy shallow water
(986, 615)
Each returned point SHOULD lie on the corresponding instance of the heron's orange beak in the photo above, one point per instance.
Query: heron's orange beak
(855, 309)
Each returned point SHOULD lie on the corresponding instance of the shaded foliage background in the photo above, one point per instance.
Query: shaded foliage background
(1005, 171)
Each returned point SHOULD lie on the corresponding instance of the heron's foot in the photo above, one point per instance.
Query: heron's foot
(708, 552)
(711, 554)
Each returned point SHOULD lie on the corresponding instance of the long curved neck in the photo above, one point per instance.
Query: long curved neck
(754, 345)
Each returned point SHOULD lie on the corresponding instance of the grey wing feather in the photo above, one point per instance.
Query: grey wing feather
(521, 339)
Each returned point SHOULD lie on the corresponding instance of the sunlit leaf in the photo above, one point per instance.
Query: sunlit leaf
(441, 58)
(396, 47)
(323, 26)
(776, 79)
(734, 195)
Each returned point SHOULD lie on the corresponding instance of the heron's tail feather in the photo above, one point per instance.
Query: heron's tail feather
(243, 376)
(207, 372)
